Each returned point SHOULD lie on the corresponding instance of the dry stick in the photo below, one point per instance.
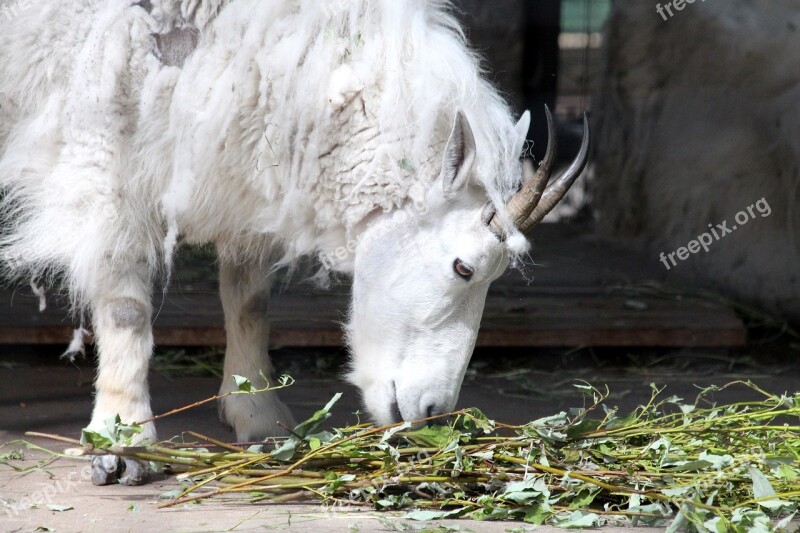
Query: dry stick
(205, 456)
(283, 498)
(319, 494)
(184, 471)
(290, 430)
(216, 442)
(217, 473)
(213, 398)
(251, 472)
(184, 408)
(53, 437)
(215, 468)
(278, 486)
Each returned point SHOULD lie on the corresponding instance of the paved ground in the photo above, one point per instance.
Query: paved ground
(40, 394)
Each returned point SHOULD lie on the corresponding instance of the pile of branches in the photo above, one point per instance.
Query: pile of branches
(693, 465)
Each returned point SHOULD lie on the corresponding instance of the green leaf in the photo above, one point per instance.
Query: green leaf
(674, 492)
(715, 525)
(391, 525)
(59, 508)
(170, 494)
(490, 513)
(762, 488)
(488, 455)
(583, 427)
(393, 502)
(693, 466)
(389, 433)
(616, 422)
(718, 462)
(475, 421)
(529, 491)
(286, 450)
(787, 472)
(124, 433)
(583, 498)
(112, 424)
(537, 514)
(96, 439)
(432, 436)
(751, 520)
(434, 515)
(307, 430)
(312, 424)
(114, 432)
(242, 383)
(550, 428)
(15, 455)
(660, 511)
(336, 481)
(392, 451)
(577, 519)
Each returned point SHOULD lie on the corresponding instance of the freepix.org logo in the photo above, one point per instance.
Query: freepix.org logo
(704, 240)
(668, 10)
(46, 493)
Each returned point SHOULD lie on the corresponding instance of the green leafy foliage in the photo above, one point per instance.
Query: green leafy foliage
(307, 433)
(670, 464)
(14, 455)
(242, 383)
(115, 433)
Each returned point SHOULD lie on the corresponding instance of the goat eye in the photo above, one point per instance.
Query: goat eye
(463, 271)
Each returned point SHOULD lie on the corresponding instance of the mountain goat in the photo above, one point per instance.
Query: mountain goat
(274, 130)
(696, 132)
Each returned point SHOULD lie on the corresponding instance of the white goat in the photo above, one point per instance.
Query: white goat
(274, 130)
(694, 131)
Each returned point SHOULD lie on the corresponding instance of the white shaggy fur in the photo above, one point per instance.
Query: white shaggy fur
(294, 128)
(697, 120)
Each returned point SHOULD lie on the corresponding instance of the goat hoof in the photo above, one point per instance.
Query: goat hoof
(108, 469)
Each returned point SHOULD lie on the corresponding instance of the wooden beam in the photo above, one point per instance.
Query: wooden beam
(523, 316)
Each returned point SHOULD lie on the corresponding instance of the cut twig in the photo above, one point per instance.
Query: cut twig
(53, 437)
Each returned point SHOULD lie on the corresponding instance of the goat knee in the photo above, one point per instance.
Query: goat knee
(128, 313)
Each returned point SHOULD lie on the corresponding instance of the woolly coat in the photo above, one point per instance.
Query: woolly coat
(258, 126)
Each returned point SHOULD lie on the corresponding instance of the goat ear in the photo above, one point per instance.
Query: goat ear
(459, 155)
(521, 132)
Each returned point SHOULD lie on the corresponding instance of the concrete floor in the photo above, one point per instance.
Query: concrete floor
(39, 393)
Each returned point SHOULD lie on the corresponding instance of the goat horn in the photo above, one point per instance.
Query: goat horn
(556, 191)
(525, 200)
